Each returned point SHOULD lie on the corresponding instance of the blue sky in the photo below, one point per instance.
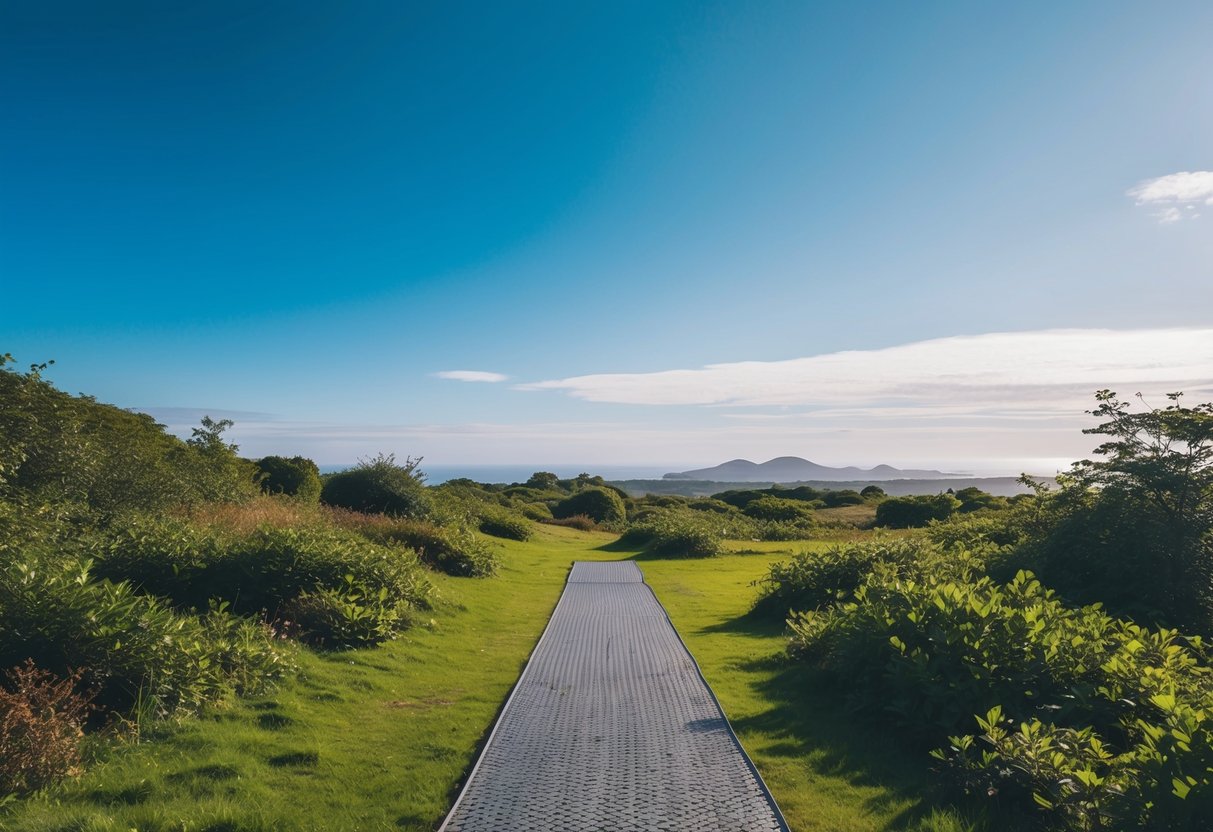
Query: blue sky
(301, 214)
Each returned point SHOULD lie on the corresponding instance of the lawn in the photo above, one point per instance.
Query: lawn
(380, 738)
(826, 770)
(361, 740)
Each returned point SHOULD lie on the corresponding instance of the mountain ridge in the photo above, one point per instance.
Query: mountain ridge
(797, 469)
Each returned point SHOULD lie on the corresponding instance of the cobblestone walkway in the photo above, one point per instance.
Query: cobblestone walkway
(611, 727)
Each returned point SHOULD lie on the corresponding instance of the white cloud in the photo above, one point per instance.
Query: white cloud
(1187, 188)
(471, 375)
(1054, 371)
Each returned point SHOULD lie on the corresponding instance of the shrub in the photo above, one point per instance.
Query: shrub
(715, 506)
(842, 497)
(1099, 722)
(678, 533)
(536, 511)
(504, 524)
(454, 550)
(379, 485)
(131, 647)
(782, 511)
(41, 726)
(347, 616)
(295, 477)
(815, 579)
(915, 512)
(872, 492)
(602, 505)
(578, 521)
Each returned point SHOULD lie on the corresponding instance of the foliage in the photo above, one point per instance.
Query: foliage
(57, 448)
(260, 572)
(872, 492)
(41, 725)
(678, 533)
(580, 522)
(779, 510)
(349, 615)
(1135, 529)
(1113, 726)
(379, 485)
(296, 476)
(501, 523)
(823, 578)
(842, 497)
(131, 647)
(602, 505)
(453, 549)
(916, 511)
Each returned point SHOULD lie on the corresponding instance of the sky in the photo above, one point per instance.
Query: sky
(645, 234)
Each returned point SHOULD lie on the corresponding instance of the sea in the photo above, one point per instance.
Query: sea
(438, 474)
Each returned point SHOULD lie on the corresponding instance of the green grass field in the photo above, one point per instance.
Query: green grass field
(380, 738)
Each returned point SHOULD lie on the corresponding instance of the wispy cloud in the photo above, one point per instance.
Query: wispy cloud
(471, 375)
(1054, 370)
(1177, 195)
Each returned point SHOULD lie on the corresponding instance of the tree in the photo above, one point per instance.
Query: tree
(544, 481)
(1134, 528)
(295, 477)
(380, 485)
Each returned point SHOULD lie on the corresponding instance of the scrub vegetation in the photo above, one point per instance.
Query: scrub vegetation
(193, 640)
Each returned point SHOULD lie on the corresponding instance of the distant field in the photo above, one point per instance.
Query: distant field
(999, 486)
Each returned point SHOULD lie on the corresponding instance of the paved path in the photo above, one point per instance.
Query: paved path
(611, 727)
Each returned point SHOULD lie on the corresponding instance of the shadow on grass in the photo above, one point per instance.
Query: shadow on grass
(807, 723)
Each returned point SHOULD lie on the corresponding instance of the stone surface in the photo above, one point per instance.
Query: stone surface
(611, 727)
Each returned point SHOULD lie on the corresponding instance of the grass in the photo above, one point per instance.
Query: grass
(361, 740)
(380, 738)
(826, 770)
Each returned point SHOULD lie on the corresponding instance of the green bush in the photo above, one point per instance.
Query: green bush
(132, 648)
(295, 477)
(580, 522)
(816, 579)
(602, 505)
(505, 524)
(379, 486)
(1098, 721)
(454, 549)
(872, 492)
(915, 512)
(350, 615)
(842, 497)
(782, 511)
(259, 573)
(678, 533)
(536, 511)
(62, 449)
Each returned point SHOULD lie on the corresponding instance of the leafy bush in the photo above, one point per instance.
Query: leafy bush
(872, 492)
(504, 524)
(347, 616)
(915, 512)
(379, 485)
(842, 497)
(536, 511)
(295, 477)
(782, 511)
(454, 550)
(602, 505)
(261, 572)
(57, 448)
(715, 506)
(580, 522)
(41, 725)
(1111, 733)
(130, 647)
(815, 579)
(678, 533)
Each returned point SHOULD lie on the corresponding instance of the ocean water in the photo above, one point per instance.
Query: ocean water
(437, 474)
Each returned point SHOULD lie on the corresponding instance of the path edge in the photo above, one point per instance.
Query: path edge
(508, 702)
(728, 723)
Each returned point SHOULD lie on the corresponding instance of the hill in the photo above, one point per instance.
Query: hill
(785, 469)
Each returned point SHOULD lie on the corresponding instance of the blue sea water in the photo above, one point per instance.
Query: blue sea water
(437, 474)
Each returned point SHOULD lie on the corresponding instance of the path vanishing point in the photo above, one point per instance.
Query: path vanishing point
(612, 727)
